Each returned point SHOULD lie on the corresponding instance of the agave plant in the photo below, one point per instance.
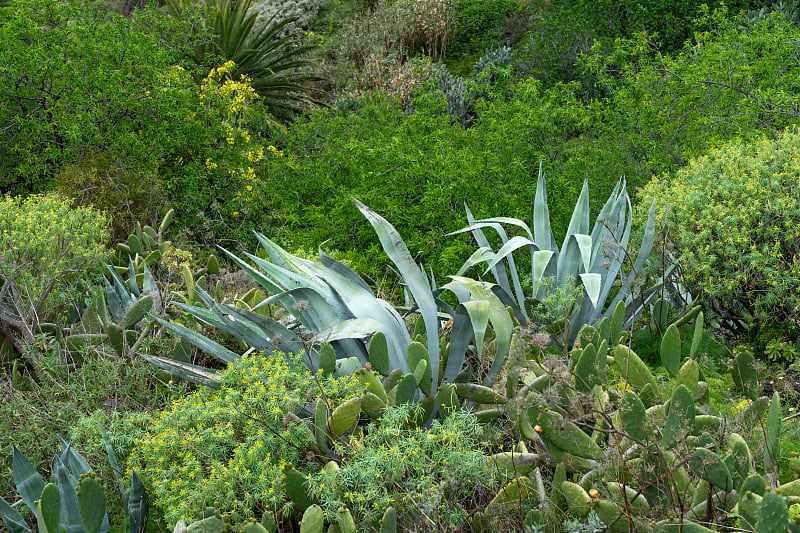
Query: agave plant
(594, 260)
(330, 304)
(273, 59)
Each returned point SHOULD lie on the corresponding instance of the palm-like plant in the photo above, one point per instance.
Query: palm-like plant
(271, 55)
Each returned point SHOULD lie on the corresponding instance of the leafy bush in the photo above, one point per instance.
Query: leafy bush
(225, 448)
(479, 25)
(439, 472)
(126, 193)
(45, 248)
(735, 80)
(673, 21)
(734, 215)
(78, 80)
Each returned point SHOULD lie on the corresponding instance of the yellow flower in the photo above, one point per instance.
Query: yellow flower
(235, 214)
(210, 164)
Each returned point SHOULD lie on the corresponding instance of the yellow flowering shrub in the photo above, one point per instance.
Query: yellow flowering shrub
(733, 218)
(213, 182)
(43, 238)
(225, 448)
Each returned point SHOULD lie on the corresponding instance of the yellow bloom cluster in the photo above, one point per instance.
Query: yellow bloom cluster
(225, 448)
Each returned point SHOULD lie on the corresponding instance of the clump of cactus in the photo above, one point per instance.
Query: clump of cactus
(640, 456)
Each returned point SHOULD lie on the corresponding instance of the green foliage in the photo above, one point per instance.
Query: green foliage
(418, 472)
(81, 82)
(126, 192)
(732, 82)
(734, 215)
(225, 448)
(672, 21)
(46, 251)
(27, 419)
(479, 26)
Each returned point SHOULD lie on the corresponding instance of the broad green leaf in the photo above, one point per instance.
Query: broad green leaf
(413, 277)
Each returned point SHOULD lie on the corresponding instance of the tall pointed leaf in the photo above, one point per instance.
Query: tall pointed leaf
(413, 277)
(28, 481)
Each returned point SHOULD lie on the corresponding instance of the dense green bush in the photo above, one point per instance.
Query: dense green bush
(734, 215)
(432, 474)
(735, 80)
(225, 448)
(77, 80)
(673, 21)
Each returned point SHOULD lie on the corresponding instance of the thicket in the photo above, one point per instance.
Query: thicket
(732, 215)
(148, 111)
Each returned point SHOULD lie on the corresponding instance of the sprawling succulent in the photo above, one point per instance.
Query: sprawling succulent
(594, 258)
(330, 305)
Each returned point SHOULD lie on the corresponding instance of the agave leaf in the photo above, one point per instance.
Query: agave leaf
(501, 321)
(540, 264)
(137, 505)
(28, 481)
(70, 515)
(569, 262)
(12, 519)
(343, 270)
(509, 247)
(196, 374)
(579, 223)
(205, 344)
(74, 462)
(591, 282)
(478, 311)
(641, 258)
(413, 277)
(499, 271)
(349, 329)
(132, 279)
(112, 459)
(460, 334)
(542, 231)
(481, 255)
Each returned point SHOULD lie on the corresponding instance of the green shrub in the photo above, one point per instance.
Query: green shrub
(225, 448)
(31, 419)
(734, 218)
(440, 472)
(127, 193)
(46, 248)
(673, 21)
(78, 80)
(479, 25)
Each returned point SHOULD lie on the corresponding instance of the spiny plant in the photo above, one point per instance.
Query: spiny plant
(329, 303)
(73, 500)
(640, 457)
(594, 260)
